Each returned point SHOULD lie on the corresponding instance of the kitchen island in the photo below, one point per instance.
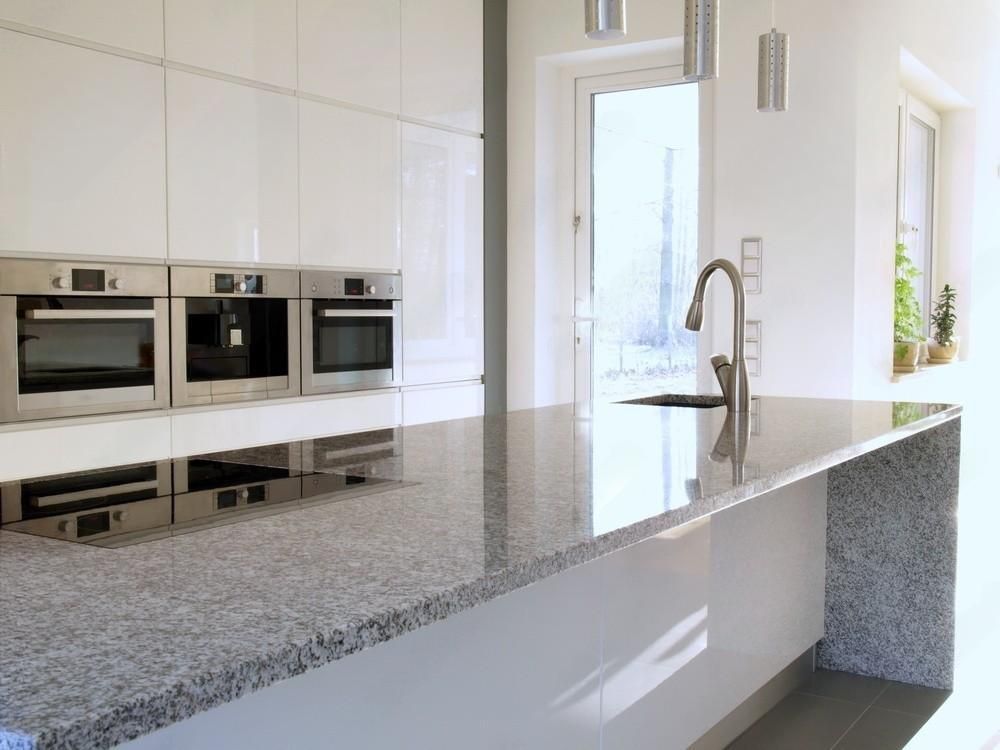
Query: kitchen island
(526, 580)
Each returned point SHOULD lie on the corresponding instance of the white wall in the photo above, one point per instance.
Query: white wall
(818, 183)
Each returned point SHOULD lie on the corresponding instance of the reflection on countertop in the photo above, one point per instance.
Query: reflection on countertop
(484, 506)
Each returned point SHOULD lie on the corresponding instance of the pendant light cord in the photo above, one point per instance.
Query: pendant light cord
(774, 24)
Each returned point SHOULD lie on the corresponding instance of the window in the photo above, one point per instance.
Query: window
(919, 129)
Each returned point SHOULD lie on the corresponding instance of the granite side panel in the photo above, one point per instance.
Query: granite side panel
(892, 533)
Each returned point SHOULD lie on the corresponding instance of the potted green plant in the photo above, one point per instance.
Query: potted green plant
(944, 347)
(908, 324)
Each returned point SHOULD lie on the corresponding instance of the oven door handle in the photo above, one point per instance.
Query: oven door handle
(355, 313)
(89, 314)
(72, 497)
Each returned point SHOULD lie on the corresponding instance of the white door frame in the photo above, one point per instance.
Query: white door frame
(583, 313)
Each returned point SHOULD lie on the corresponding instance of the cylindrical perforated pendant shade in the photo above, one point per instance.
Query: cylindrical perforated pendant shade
(772, 72)
(701, 39)
(605, 19)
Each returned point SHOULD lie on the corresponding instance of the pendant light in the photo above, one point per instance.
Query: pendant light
(605, 19)
(772, 70)
(701, 40)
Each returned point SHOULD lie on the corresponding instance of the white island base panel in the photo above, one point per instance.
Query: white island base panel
(649, 647)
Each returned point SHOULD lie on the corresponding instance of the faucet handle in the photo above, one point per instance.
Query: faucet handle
(721, 365)
(719, 360)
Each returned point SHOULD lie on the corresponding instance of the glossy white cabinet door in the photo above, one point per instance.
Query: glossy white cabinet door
(442, 241)
(349, 50)
(349, 167)
(443, 62)
(231, 172)
(81, 151)
(135, 25)
(250, 38)
(439, 403)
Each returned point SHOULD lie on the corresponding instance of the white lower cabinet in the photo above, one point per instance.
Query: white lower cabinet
(213, 429)
(62, 446)
(646, 648)
(440, 402)
(442, 241)
(232, 172)
(81, 151)
(349, 168)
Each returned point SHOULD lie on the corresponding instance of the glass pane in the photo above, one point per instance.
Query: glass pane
(645, 240)
(82, 354)
(918, 204)
(352, 344)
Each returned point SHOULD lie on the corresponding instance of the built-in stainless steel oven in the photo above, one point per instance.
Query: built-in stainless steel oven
(106, 507)
(82, 338)
(235, 334)
(351, 331)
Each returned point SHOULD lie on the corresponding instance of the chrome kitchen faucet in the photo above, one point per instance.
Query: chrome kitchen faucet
(733, 377)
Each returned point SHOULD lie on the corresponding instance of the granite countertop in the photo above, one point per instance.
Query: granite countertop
(98, 646)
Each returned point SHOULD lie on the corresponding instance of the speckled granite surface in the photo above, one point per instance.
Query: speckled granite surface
(892, 547)
(99, 646)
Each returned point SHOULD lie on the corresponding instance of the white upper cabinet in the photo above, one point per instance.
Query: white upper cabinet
(252, 39)
(81, 151)
(349, 177)
(232, 176)
(135, 25)
(349, 50)
(442, 62)
(442, 241)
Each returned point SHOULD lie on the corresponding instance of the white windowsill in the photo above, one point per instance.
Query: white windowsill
(928, 369)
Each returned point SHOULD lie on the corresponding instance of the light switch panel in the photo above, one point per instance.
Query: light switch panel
(754, 348)
(751, 263)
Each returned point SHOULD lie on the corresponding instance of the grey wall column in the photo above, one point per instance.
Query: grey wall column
(495, 203)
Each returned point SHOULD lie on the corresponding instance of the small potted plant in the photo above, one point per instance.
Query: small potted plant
(944, 347)
(908, 323)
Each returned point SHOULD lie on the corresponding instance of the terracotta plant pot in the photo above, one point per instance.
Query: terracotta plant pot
(905, 355)
(941, 354)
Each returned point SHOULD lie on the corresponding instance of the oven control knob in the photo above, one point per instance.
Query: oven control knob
(62, 282)
(68, 527)
(117, 284)
(241, 286)
(315, 288)
(371, 289)
(392, 290)
(120, 515)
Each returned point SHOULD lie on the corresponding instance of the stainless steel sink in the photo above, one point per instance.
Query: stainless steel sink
(685, 402)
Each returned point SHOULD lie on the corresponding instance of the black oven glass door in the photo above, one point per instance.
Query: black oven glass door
(41, 498)
(84, 344)
(352, 336)
(236, 338)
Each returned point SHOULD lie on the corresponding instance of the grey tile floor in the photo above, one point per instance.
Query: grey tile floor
(839, 711)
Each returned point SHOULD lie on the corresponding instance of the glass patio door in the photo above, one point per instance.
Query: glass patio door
(637, 221)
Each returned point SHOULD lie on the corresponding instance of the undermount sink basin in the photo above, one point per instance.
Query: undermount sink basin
(685, 402)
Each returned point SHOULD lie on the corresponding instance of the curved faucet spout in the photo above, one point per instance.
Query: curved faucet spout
(737, 393)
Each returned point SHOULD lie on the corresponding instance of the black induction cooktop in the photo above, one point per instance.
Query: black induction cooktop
(119, 506)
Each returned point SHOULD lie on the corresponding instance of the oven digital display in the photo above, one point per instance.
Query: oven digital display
(88, 280)
(354, 287)
(224, 283)
(93, 523)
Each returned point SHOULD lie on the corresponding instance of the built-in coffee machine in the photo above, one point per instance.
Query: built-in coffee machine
(235, 334)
